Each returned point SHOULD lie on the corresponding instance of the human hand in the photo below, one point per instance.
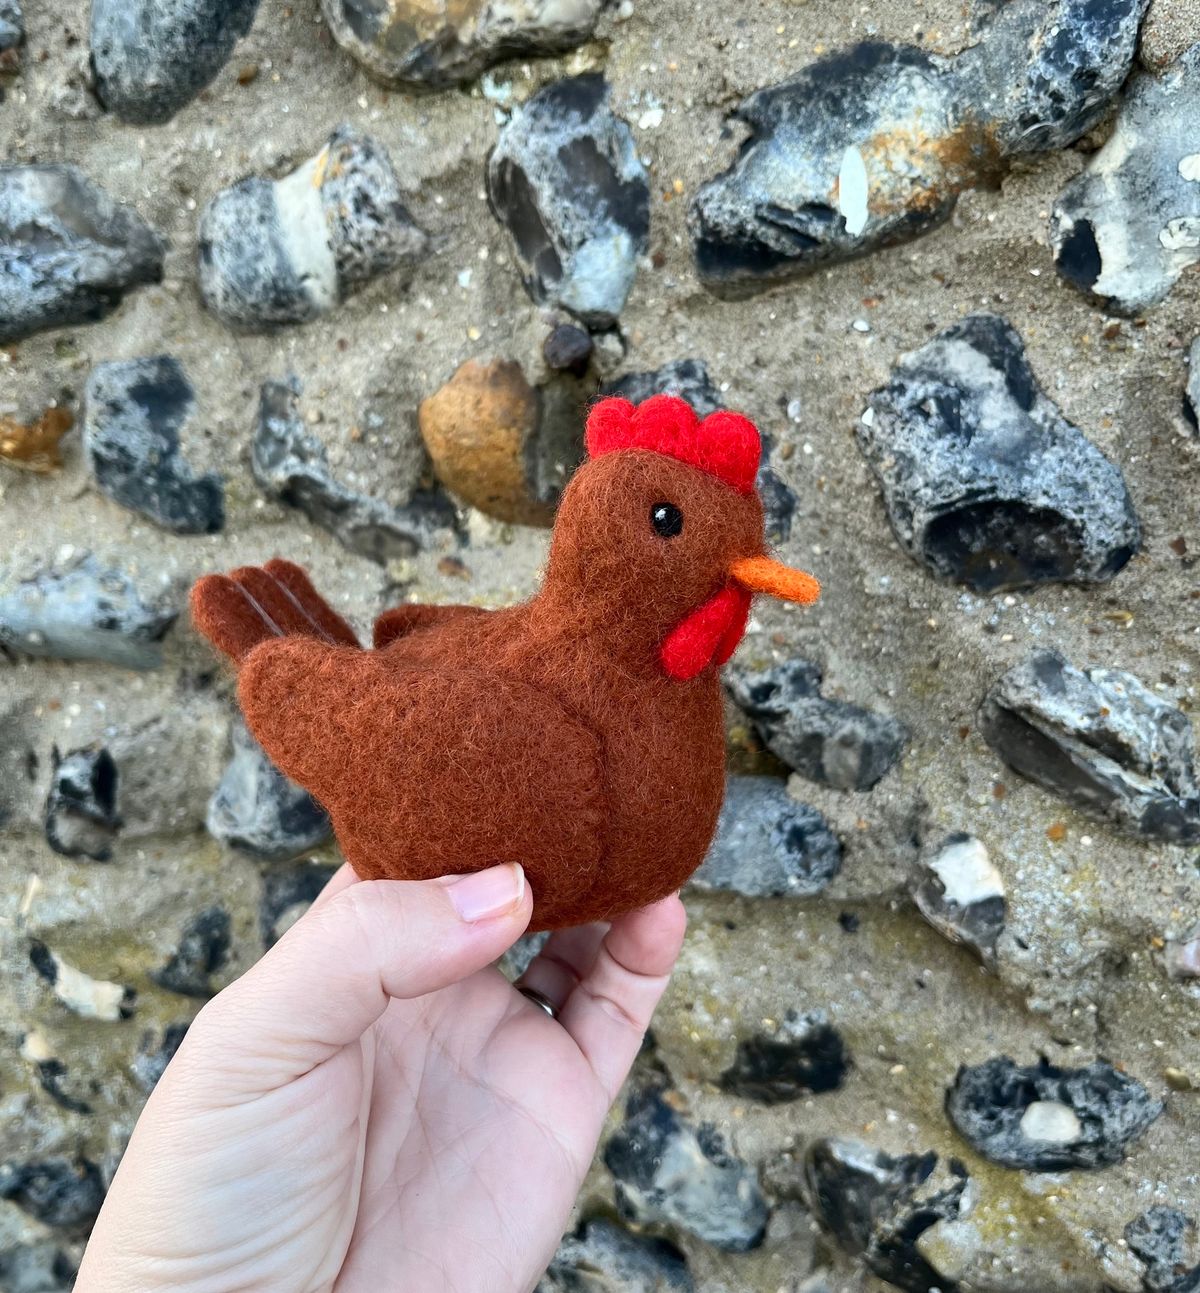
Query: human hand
(374, 1107)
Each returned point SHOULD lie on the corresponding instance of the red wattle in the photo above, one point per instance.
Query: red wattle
(708, 635)
(737, 627)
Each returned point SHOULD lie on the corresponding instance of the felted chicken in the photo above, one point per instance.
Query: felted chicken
(579, 733)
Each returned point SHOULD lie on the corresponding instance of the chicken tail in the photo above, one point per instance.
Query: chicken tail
(254, 603)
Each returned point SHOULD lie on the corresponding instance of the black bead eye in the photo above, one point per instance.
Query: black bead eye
(667, 520)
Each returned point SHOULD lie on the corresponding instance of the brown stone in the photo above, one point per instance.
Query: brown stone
(34, 446)
(1168, 30)
(480, 430)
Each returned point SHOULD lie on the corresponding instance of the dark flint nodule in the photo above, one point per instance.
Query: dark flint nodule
(601, 1256)
(831, 742)
(153, 1056)
(668, 1170)
(1125, 229)
(768, 845)
(274, 253)
(257, 810)
(292, 466)
(203, 950)
(1081, 1118)
(961, 894)
(82, 820)
(151, 57)
(871, 145)
(287, 892)
(36, 1268)
(12, 34)
(804, 1056)
(566, 181)
(133, 415)
(70, 252)
(877, 1207)
(984, 480)
(87, 612)
(417, 46)
(1102, 740)
(1168, 1243)
(568, 349)
(62, 1193)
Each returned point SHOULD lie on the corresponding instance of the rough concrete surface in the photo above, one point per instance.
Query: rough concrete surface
(1079, 972)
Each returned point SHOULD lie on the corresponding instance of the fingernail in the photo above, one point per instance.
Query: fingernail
(487, 894)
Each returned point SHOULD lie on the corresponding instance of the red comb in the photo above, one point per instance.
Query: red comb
(725, 445)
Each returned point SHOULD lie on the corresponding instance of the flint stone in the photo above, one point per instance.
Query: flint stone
(877, 1207)
(63, 1193)
(86, 613)
(1102, 740)
(568, 349)
(203, 950)
(667, 1170)
(566, 181)
(287, 893)
(689, 379)
(36, 1268)
(520, 956)
(1125, 229)
(151, 57)
(960, 893)
(68, 251)
(1191, 395)
(768, 845)
(872, 145)
(989, 1105)
(52, 1075)
(12, 29)
(602, 1257)
(134, 412)
(686, 378)
(151, 1061)
(1167, 1243)
(1182, 956)
(82, 820)
(81, 994)
(805, 1055)
(828, 741)
(279, 252)
(258, 810)
(292, 466)
(422, 46)
(984, 480)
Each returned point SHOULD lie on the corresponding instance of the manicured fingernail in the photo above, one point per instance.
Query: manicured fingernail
(486, 894)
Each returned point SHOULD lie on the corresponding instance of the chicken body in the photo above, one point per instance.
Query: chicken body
(475, 739)
(579, 734)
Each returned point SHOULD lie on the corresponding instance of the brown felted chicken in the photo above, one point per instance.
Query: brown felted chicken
(579, 733)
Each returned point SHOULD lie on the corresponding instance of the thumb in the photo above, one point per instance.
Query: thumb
(333, 973)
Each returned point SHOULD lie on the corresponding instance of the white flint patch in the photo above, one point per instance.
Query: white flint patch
(1051, 1122)
(853, 191)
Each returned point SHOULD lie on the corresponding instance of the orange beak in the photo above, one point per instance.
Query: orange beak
(762, 575)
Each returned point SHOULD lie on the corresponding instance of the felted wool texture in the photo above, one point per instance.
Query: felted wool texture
(402, 620)
(767, 576)
(550, 733)
(724, 444)
(239, 610)
(709, 635)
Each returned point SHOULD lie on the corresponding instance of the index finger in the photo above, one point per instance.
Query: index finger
(610, 1009)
